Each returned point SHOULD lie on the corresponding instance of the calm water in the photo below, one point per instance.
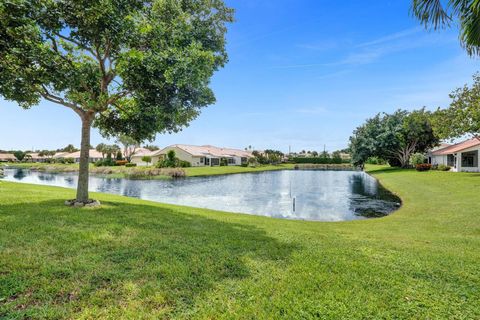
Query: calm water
(319, 195)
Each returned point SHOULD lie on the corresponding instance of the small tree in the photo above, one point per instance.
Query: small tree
(127, 67)
(20, 155)
(129, 144)
(463, 115)
(101, 148)
(147, 160)
(417, 158)
(119, 155)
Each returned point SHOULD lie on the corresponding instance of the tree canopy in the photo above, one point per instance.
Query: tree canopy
(124, 66)
(394, 137)
(463, 115)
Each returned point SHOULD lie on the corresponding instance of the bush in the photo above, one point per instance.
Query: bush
(319, 160)
(223, 162)
(69, 160)
(443, 167)
(423, 167)
(417, 158)
(129, 165)
(184, 164)
(105, 163)
(121, 162)
(375, 160)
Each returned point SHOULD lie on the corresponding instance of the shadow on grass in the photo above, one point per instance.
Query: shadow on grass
(61, 259)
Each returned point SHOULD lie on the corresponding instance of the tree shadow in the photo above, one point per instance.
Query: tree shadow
(161, 257)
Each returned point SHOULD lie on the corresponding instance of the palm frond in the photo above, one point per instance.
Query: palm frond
(431, 13)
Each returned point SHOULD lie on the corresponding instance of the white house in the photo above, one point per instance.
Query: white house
(462, 156)
(199, 156)
(139, 154)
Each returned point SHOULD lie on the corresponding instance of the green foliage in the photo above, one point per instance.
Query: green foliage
(443, 167)
(108, 162)
(435, 14)
(393, 137)
(322, 160)
(119, 155)
(223, 162)
(375, 160)
(129, 165)
(268, 156)
(20, 155)
(70, 149)
(417, 158)
(463, 115)
(151, 147)
(147, 159)
(171, 161)
(423, 167)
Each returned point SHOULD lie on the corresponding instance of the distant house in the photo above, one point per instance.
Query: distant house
(94, 156)
(199, 156)
(7, 157)
(35, 157)
(462, 156)
(61, 155)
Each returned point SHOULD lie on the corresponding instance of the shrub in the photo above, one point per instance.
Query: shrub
(375, 160)
(69, 160)
(443, 167)
(129, 165)
(105, 163)
(423, 167)
(184, 164)
(121, 162)
(417, 158)
(319, 160)
(223, 162)
(147, 159)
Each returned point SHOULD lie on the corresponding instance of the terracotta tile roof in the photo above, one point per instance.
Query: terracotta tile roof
(457, 147)
(140, 152)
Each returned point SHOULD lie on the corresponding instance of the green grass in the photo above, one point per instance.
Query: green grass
(212, 171)
(132, 259)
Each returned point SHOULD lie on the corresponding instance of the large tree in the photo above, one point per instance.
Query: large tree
(463, 115)
(132, 67)
(438, 14)
(394, 137)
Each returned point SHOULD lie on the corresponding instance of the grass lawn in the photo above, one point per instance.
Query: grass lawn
(135, 259)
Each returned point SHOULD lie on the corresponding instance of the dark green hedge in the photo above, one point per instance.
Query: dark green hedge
(320, 160)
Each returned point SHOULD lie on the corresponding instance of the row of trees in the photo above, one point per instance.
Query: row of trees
(395, 137)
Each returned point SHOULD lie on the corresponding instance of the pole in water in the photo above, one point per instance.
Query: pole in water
(294, 204)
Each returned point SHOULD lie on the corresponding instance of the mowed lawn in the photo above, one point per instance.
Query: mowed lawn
(133, 259)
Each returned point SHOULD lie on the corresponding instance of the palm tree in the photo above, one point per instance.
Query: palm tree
(439, 14)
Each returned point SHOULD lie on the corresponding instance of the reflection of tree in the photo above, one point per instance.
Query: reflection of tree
(19, 174)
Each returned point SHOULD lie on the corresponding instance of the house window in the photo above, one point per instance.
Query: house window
(215, 161)
(231, 161)
(451, 160)
(469, 159)
(201, 160)
(244, 160)
(207, 161)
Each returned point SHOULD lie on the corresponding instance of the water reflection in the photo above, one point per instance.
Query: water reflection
(318, 195)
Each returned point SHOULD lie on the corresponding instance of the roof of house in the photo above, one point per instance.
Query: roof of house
(208, 150)
(35, 156)
(7, 156)
(61, 155)
(93, 154)
(140, 152)
(457, 147)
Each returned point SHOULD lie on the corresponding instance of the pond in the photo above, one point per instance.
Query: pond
(290, 194)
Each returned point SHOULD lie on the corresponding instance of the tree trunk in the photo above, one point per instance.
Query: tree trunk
(82, 187)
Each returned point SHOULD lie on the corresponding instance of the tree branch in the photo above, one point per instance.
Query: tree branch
(55, 99)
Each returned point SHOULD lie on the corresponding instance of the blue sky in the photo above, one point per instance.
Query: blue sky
(302, 73)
